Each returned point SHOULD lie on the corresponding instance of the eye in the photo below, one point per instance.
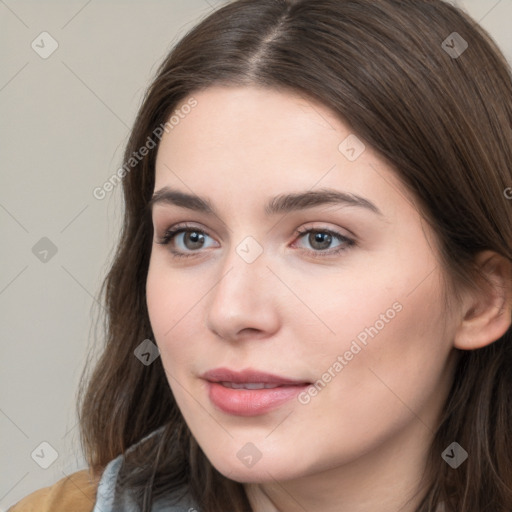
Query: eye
(185, 241)
(321, 241)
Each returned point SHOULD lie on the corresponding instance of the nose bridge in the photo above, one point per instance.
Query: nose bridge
(243, 275)
(241, 298)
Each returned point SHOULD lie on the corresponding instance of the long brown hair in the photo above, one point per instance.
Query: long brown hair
(438, 112)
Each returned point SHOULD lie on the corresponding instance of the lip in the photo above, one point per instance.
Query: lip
(250, 402)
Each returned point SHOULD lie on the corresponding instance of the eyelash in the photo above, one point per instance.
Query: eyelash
(171, 233)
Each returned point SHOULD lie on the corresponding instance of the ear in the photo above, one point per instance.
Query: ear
(487, 314)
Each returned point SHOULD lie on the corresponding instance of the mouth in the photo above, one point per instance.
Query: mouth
(250, 392)
(250, 385)
(250, 377)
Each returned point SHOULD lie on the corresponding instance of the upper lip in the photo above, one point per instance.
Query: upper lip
(248, 376)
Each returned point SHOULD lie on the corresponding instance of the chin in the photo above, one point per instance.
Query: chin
(252, 476)
(261, 472)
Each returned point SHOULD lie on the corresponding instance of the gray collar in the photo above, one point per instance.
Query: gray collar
(108, 501)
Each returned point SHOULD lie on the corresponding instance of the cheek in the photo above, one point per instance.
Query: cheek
(415, 347)
(387, 324)
(170, 302)
(393, 361)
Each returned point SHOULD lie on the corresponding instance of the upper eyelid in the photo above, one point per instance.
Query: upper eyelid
(204, 217)
(301, 230)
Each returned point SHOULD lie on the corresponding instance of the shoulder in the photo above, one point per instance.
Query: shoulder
(75, 492)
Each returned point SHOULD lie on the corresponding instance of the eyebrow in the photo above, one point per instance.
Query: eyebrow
(282, 203)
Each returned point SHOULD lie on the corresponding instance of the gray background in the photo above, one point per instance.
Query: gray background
(64, 122)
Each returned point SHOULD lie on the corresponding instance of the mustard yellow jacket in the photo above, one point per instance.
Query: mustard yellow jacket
(76, 493)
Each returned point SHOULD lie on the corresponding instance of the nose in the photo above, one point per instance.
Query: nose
(242, 303)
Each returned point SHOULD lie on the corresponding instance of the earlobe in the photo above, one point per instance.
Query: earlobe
(487, 313)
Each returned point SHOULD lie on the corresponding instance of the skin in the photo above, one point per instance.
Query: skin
(360, 444)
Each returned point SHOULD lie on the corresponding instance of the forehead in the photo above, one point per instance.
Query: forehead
(255, 141)
(241, 122)
(251, 126)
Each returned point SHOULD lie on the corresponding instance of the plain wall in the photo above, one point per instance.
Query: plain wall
(64, 122)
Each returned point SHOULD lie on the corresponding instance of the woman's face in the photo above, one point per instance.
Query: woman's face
(307, 271)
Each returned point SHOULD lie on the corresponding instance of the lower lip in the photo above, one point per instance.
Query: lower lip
(250, 402)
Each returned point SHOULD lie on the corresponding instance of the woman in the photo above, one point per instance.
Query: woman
(311, 302)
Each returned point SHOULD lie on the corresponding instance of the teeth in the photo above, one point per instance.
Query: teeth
(249, 385)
